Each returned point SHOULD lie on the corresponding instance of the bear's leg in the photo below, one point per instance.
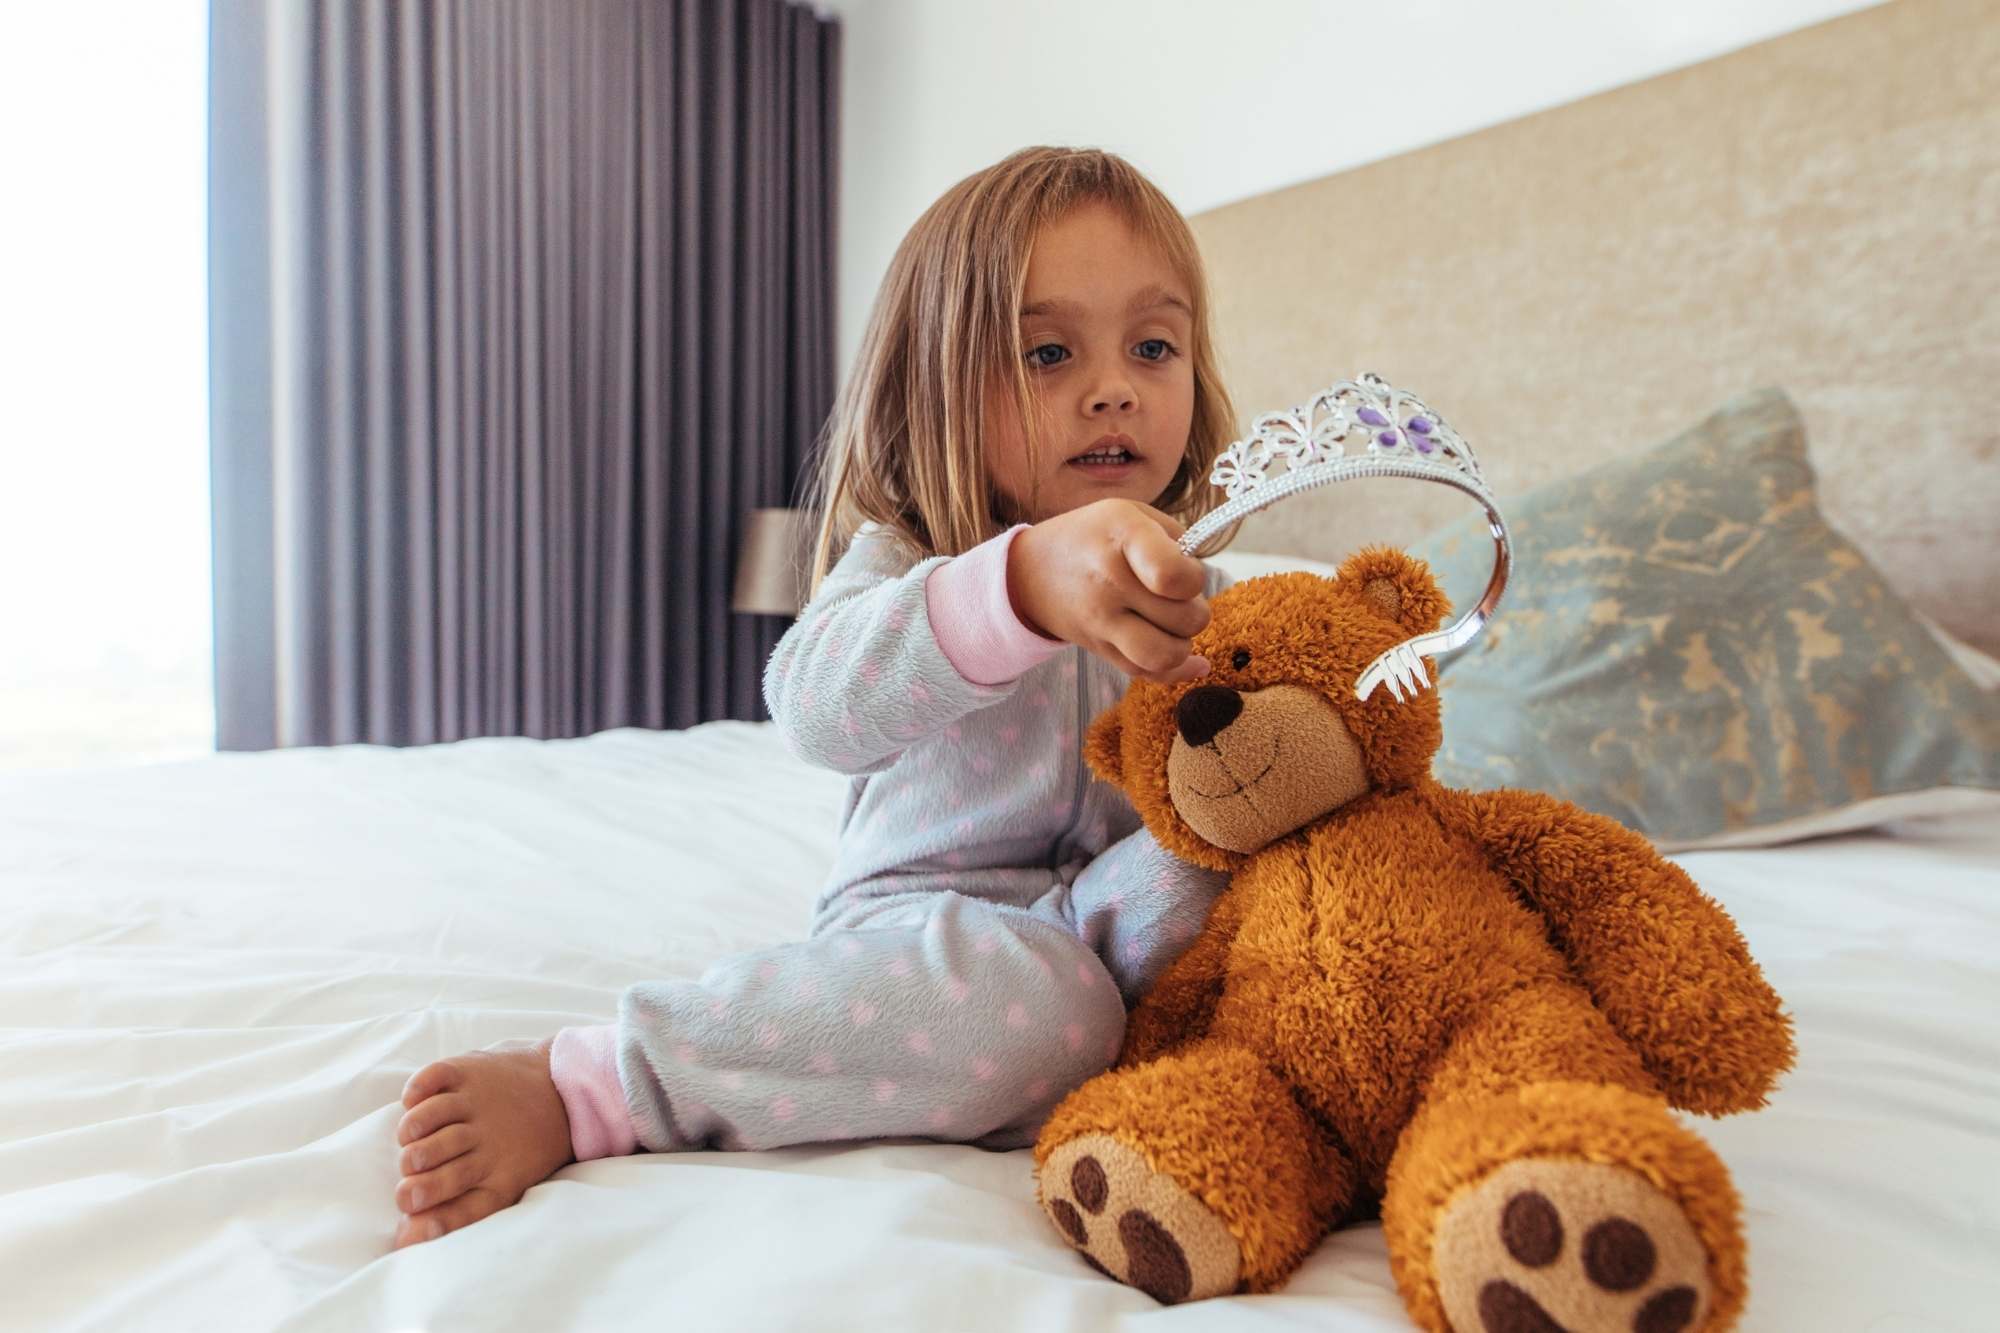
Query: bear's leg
(1543, 1184)
(1193, 1175)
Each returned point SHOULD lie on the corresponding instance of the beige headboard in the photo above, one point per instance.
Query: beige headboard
(1820, 212)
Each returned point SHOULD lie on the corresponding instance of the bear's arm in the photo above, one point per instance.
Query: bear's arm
(1180, 1004)
(1661, 958)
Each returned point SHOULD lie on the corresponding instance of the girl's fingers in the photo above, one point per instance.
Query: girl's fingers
(1156, 655)
(1160, 566)
(1183, 619)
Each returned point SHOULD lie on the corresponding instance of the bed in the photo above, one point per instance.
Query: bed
(219, 973)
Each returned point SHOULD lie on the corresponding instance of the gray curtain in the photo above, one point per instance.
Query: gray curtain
(517, 309)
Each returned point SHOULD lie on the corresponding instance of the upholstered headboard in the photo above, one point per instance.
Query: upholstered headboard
(1820, 213)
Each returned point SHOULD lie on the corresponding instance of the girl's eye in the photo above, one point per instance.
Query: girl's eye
(1035, 357)
(1165, 349)
(1241, 660)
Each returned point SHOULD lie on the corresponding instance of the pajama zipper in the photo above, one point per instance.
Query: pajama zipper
(1076, 796)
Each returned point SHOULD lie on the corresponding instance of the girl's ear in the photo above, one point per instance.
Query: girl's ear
(1101, 746)
(1396, 586)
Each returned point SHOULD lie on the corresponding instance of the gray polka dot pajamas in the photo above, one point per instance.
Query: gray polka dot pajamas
(992, 913)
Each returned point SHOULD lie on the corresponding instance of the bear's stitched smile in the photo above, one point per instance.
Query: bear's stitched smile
(1277, 743)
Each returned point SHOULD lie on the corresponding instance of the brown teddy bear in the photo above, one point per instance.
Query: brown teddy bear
(1470, 1011)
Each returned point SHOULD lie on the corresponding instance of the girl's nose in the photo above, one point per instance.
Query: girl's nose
(1112, 395)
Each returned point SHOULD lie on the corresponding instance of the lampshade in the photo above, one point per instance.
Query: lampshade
(771, 566)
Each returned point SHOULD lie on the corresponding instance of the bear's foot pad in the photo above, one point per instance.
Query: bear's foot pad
(1545, 1245)
(1135, 1224)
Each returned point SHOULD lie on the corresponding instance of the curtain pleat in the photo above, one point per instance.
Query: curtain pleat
(518, 309)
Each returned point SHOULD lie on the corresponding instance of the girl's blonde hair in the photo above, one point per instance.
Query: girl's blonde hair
(903, 444)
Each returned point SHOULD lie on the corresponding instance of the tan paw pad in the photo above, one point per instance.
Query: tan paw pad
(1544, 1245)
(1135, 1224)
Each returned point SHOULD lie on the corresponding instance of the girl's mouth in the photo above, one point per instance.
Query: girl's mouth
(1105, 462)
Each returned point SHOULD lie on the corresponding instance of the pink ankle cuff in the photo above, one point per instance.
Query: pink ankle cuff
(584, 1064)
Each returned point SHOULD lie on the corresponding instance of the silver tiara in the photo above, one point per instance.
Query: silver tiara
(1400, 437)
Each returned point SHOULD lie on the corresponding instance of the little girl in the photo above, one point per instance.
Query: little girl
(1032, 419)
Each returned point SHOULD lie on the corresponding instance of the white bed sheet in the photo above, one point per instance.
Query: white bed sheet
(215, 977)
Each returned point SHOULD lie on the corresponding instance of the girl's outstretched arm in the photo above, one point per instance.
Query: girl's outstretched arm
(890, 652)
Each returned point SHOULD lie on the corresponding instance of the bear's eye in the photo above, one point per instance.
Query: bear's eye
(1241, 660)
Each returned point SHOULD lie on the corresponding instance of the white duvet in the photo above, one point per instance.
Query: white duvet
(216, 976)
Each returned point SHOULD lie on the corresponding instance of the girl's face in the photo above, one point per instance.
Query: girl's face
(1105, 324)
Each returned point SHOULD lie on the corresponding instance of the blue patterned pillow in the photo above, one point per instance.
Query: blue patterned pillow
(1686, 646)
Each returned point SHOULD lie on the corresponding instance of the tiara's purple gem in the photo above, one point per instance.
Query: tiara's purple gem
(1388, 439)
(1424, 444)
(1420, 425)
(1372, 417)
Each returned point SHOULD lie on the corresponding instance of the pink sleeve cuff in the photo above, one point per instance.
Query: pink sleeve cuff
(973, 619)
(584, 1064)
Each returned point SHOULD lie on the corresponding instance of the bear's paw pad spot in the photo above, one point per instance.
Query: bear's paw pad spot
(1504, 1264)
(1137, 1225)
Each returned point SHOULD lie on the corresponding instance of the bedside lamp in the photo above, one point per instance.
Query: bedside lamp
(771, 566)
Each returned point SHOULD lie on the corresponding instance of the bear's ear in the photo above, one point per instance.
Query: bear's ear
(1101, 745)
(1397, 587)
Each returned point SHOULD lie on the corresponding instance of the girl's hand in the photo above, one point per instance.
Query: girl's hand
(1108, 577)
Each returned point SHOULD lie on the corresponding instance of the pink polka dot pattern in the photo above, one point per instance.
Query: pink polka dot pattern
(783, 1108)
(957, 990)
(1017, 1015)
(920, 1042)
(1073, 1034)
(822, 1063)
(919, 693)
(770, 1036)
(984, 1069)
(885, 1091)
(941, 1118)
(899, 967)
(731, 1080)
(767, 969)
(1038, 1089)
(863, 1013)
(684, 1054)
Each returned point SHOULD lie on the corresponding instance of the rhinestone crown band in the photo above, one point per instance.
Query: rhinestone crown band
(1393, 434)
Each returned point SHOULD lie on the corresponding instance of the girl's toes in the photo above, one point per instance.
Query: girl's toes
(428, 1154)
(438, 1076)
(415, 1194)
(460, 1212)
(431, 1115)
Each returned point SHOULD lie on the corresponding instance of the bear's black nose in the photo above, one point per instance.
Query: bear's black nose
(1205, 710)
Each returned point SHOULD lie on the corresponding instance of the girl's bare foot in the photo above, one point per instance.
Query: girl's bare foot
(480, 1129)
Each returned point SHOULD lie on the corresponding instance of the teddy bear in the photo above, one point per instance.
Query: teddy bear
(1467, 1013)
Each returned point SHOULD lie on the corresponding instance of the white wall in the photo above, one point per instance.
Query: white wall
(1218, 101)
(104, 544)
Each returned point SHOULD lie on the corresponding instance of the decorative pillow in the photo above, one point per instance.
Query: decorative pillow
(1686, 646)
